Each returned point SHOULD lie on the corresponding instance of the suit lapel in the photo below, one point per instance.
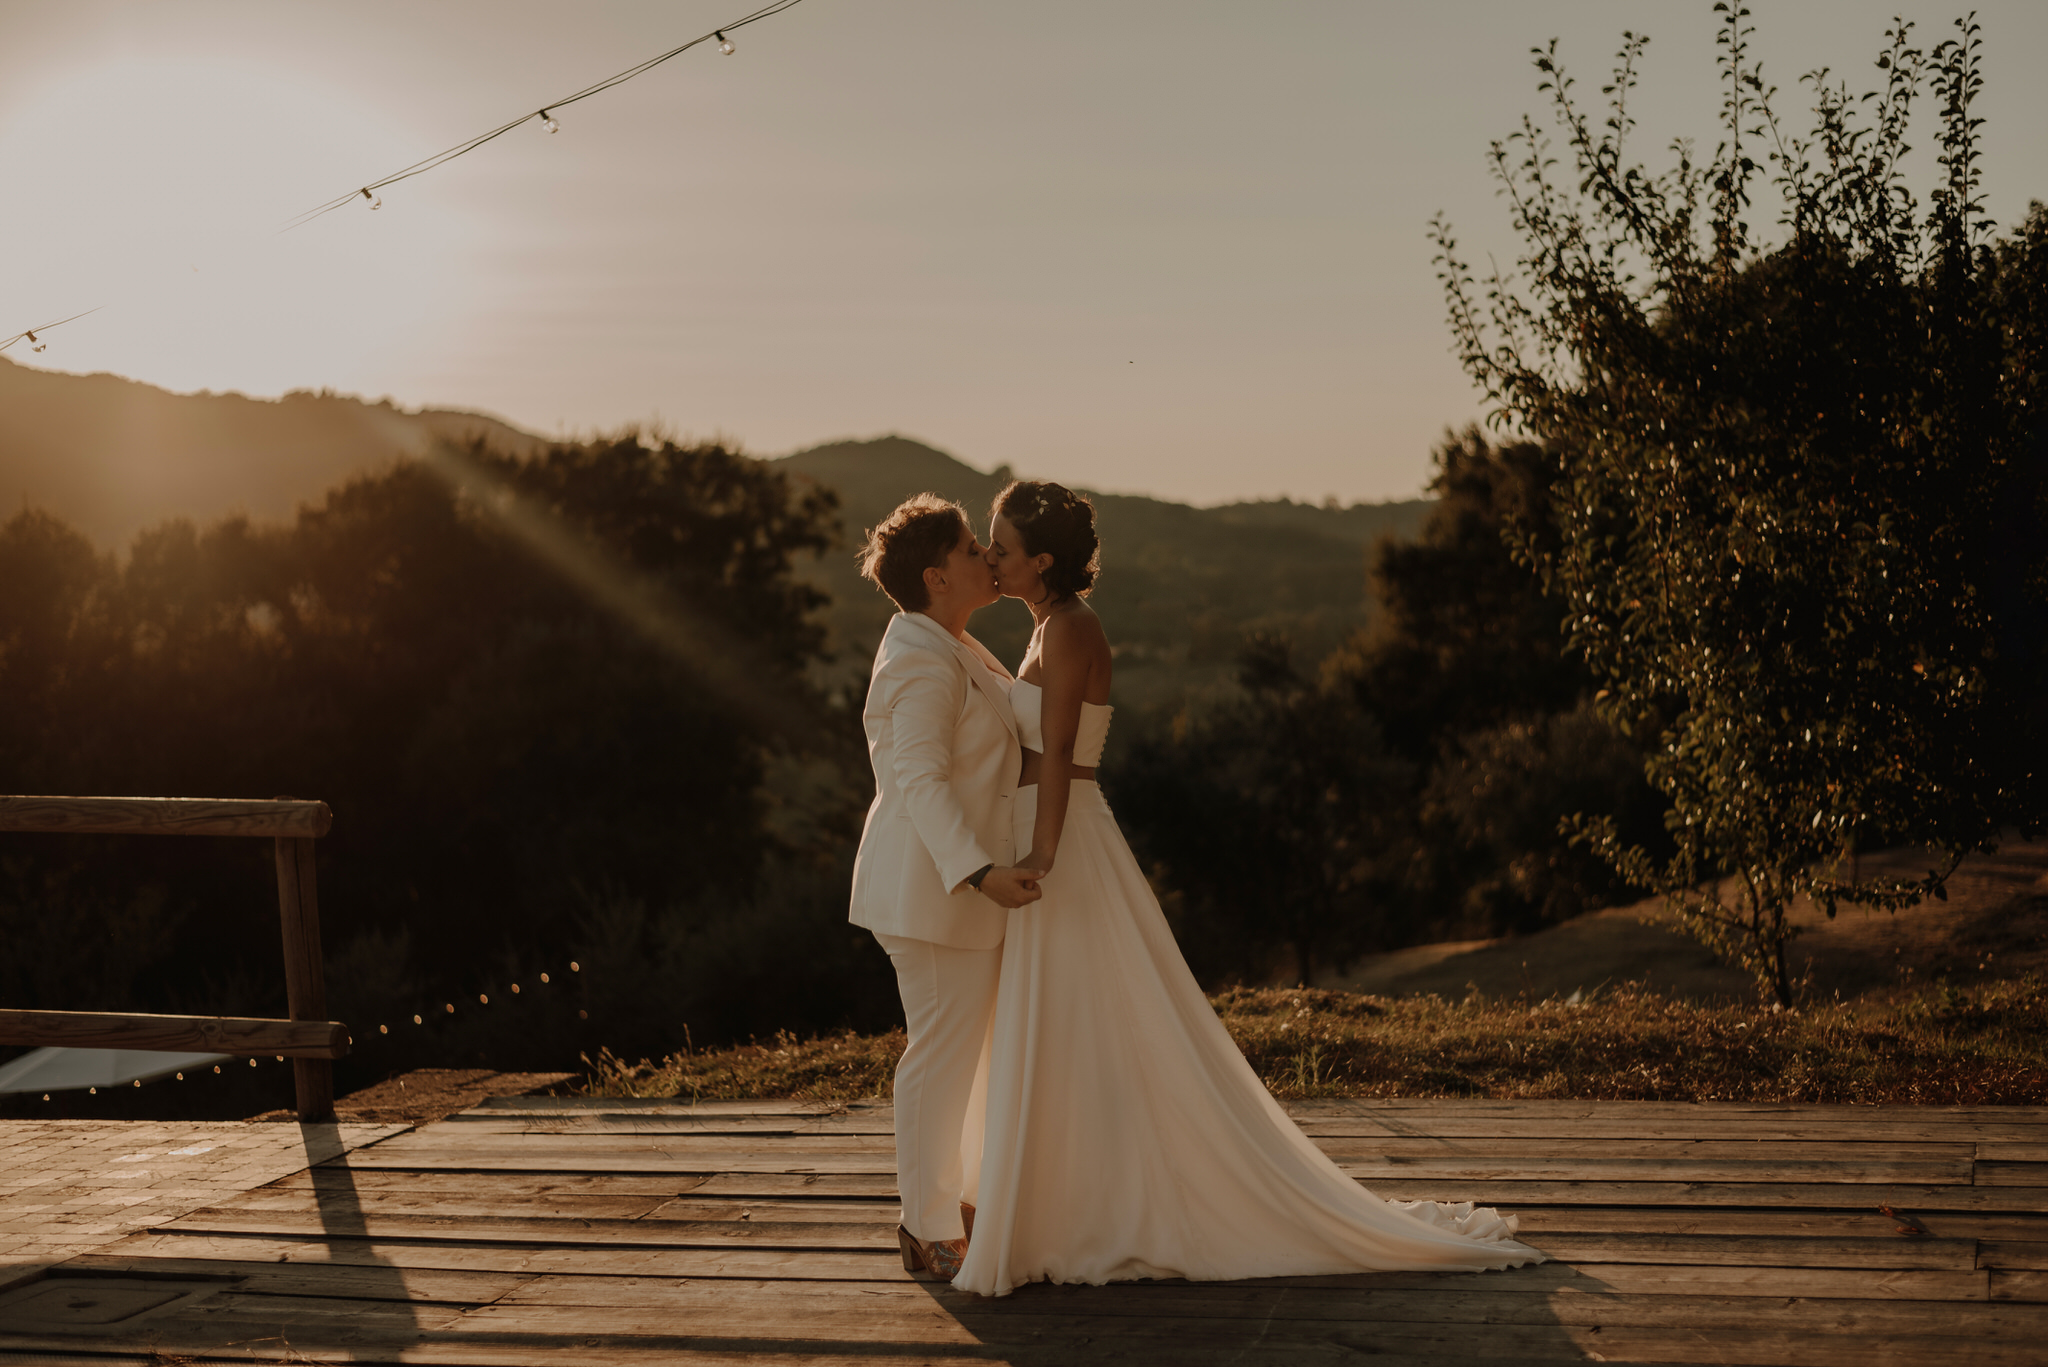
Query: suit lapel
(977, 672)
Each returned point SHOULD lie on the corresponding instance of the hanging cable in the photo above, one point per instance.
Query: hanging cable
(33, 334)
(545, 114)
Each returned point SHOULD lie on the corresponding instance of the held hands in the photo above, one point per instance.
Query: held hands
(1012, 887)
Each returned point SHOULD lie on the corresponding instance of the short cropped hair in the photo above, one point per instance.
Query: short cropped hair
(918, 536)
(1055, 521)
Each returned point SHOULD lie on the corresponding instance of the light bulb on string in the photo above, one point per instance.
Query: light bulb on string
(547, 121)
(376, 201)
(725, 44)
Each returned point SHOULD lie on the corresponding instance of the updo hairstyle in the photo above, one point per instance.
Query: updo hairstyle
(918, 536)
(1055, 521)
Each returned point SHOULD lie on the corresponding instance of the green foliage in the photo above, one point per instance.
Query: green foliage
(1798, 526)
(1467, 638)
(1466, 672)
(527, 687)
(1274, 819)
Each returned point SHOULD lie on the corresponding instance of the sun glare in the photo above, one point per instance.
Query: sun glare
(155, 188)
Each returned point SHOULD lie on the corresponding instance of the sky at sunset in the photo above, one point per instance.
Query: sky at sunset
(1164, 246)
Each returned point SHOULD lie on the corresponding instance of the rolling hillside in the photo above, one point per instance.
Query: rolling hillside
(1179, 589)
(1180, 586)
(112, 456)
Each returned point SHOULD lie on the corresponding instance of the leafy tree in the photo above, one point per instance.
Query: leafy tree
(1274, 819)
(1466, 637)
(529, 687)
(1468, 677)
(1798, 525)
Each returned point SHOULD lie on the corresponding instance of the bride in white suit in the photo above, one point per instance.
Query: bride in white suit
(1126, 1135)
(933, 877)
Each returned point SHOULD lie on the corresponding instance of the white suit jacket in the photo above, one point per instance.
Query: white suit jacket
(944, 746)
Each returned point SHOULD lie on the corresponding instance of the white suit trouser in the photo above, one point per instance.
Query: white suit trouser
(949, 998)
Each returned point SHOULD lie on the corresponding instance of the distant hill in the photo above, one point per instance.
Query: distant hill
(112, 456)
(1180, 585)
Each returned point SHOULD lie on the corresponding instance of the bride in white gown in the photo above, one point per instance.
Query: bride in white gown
(1126, 1136)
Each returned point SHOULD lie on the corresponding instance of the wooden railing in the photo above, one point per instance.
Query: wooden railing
(308, 1038)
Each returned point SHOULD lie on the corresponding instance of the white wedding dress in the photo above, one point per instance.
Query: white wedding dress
(1125, 1134)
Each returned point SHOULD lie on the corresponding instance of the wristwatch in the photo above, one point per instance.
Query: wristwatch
(974, 879)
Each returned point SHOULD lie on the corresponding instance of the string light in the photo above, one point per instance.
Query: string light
(545, 114)
(376, 201)
(36, 343)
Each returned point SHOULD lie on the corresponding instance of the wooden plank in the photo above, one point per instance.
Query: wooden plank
(501, 1349)
(349, 1202)
(1264, 1296)
(1745, 1251)
(2025, 1285)
(879, 1165)
(2007, 1254)
(446, 1138)
(1954, 1156)
(1875, 1129)
(241, 1035)
(164, 816)
(2013, 1151)
(606, 1233)
(2012, 1174)
(1863, 1223)
(1514, 1194)
(491, 1198)
(1642, 1110)
(1452, 1301)
(1821, 1334)
(802, 1236)
(1503, 1328)
(520, 1258)
(835, 1186)
(338, 1280)
(576, 1105)
(878, 1121)
(1569, 1165)
(305, 979)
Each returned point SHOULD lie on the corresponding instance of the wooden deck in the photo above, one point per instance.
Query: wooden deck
(534, 1231)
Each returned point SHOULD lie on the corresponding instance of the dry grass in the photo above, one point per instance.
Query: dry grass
(1984, 1045)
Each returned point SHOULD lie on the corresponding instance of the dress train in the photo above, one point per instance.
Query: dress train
(1125, 1134)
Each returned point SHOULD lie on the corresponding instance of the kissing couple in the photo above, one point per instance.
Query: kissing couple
(1069, 1108)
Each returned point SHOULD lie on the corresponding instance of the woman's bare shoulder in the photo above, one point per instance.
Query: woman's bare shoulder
(1077, 631)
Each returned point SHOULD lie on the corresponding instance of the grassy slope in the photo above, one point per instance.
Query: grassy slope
(1986, 1045)
(1941, 1004)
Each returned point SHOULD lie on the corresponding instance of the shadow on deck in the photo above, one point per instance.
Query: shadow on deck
(531, 1230)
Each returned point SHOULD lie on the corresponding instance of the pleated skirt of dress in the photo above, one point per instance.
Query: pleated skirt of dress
(1127, 1137)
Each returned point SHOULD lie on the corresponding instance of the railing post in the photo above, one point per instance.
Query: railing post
(305, 981)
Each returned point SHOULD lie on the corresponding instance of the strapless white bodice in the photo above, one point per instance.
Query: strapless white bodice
(1027, 700)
